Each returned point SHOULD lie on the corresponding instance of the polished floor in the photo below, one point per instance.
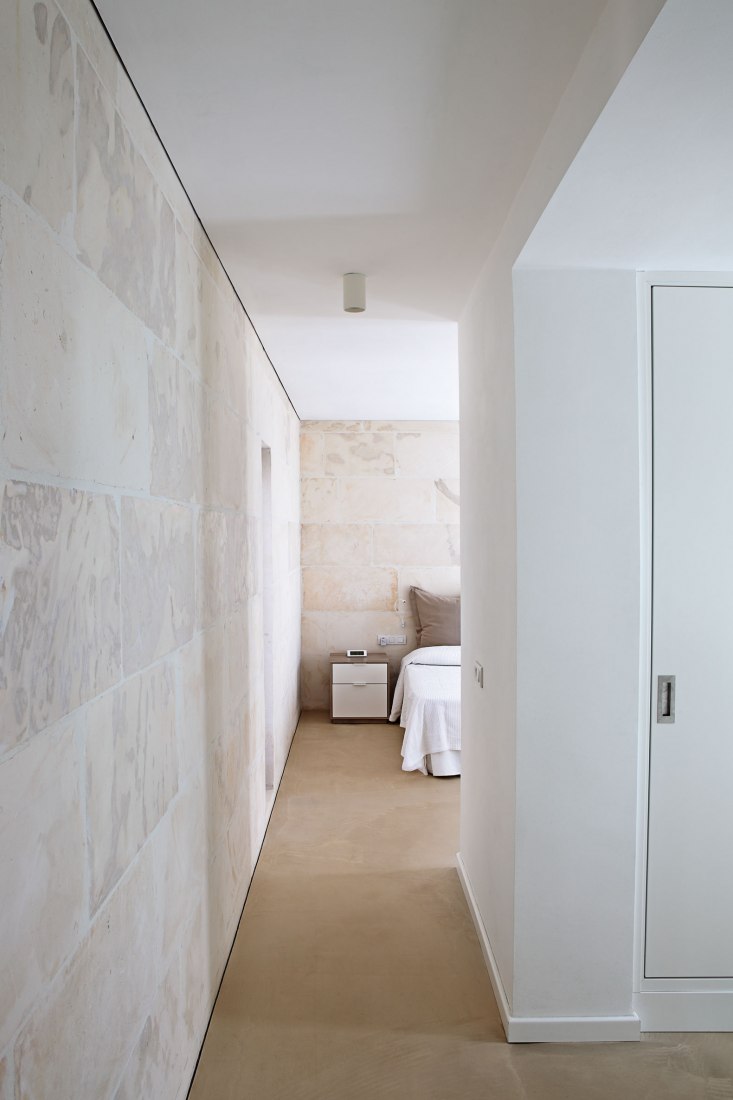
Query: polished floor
(356, 973)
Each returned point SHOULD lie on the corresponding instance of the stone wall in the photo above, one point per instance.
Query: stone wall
(379, 509)
(135, 400)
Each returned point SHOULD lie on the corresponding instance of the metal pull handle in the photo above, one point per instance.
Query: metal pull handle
(359, 684)
(665, 698)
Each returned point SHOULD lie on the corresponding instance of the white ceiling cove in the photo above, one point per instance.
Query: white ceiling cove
(325, 136)
(650, 188)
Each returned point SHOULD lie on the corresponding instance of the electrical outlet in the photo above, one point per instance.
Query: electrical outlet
(478, 673)
(392, 639)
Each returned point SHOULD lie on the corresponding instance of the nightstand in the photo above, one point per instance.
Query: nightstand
(359, 688)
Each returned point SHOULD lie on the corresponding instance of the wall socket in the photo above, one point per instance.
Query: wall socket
(392, 639)
(478, 673)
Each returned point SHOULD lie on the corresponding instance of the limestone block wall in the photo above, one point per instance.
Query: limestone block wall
(380, 512)
(135, 400)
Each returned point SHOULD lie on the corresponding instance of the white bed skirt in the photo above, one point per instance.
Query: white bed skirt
(444, 763)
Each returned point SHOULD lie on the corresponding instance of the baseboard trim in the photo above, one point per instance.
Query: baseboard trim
(544, 1029)
(497, 985)
(679, 1010)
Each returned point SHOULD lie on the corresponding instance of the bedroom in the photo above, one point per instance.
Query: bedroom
(380, 510)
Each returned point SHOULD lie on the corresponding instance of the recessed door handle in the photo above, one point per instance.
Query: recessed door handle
(360, 684)
(665, 698)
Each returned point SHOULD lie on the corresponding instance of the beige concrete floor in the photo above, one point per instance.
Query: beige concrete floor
(356, 972)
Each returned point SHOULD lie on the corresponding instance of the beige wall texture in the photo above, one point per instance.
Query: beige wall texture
(135, 399)
(379, 510)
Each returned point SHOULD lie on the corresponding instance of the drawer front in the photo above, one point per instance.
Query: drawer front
(359, 674)
(351, 701)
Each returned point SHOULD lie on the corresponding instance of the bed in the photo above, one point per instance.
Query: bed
(427, 704)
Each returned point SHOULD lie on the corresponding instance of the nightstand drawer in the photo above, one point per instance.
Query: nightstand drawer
(359, 674)
(355, 701)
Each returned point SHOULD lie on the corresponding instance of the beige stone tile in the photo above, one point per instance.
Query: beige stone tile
(131, 772)
(86, 26)
(124, 228)
(336, 544)
(223, 356)
(311, 454)
(60, 643)
(213, 568)
(241, 381)
(414, 426)
(192, 285)
(146, 142)
(75, 380)
(264, 402)
(325, 632)
(125, 942)
(252, 458)
(427, 454)
(352, 453)
(182, 855)
(176, 404)
(239, 642)
(447, 500)
(241, 535)
(205, 698)
(41, 868)
(320, 502)
(157, 580)
(442, 580)
(386, 500)
(344, 588)
(332, 426)
(205, 250)
(198, 979)
(37, 107)
(314, 682)
(223, 473)
(157, 1063)
(417, 544)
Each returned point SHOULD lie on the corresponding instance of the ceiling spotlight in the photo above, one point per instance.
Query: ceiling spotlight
(354, 292)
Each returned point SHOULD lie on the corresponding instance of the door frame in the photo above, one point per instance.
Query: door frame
(662, 1004)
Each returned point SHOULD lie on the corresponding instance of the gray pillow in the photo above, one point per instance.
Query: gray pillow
(437, 618)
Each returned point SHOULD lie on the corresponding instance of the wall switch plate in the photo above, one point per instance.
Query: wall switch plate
(478, 673)
(392, 639)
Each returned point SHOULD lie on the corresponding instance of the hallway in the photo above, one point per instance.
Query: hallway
(356, 972)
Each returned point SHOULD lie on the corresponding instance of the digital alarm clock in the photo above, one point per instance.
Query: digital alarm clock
(356, 653)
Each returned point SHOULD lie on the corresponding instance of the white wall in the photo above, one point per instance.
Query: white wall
(578, 601)
(492, 824)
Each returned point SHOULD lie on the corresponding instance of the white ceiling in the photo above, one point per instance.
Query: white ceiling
(651, 187)
(322, 136)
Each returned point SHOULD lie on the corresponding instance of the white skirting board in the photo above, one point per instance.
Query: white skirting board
(545, 1029)
(697, 1010)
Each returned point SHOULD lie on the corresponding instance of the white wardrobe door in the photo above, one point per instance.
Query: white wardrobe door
(689, 927)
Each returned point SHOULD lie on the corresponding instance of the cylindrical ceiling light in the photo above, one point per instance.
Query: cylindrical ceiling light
(354, 292)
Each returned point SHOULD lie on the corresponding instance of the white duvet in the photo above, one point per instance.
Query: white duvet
(427, 702)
